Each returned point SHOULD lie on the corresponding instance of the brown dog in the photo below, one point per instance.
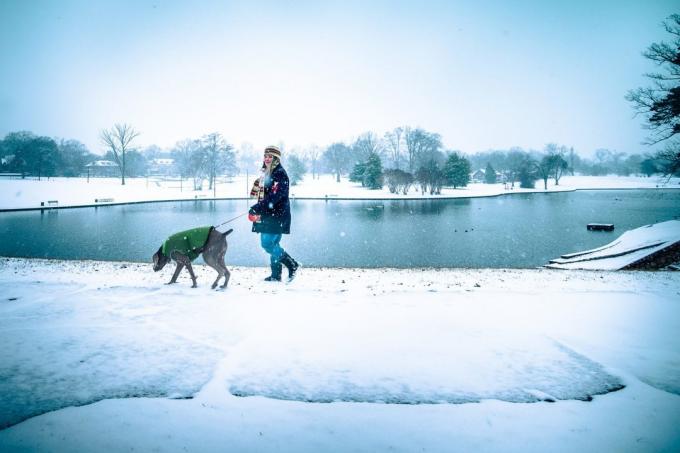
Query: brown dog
(186, 246)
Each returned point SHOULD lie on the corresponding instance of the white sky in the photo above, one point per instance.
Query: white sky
(484, 75)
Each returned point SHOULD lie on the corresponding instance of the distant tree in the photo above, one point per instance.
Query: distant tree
(660, 104)
(649, 166)
(515, 162)
(27, 153)
(544, 170)
(489, 174)
(422, 177)
(421, 147)
(219, 155)
(118, 141)
(430, 177)
(136, 164)
(526, 173)
(572, 160)
(313, 154)
(669, 160)
(398, 181)
(373, 178)
(556, 162)
(365, 145)
(42, 157)
(457, 170)
(357, 173)
(13, 147)
(337, 157)
(390, 179)
(296, 169)
(437, 176)
(393, 144)
(190, 160)
(74, 156)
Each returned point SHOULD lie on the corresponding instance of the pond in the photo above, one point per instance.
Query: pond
(514, 231)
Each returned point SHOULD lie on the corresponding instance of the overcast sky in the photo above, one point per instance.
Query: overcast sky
(484, 74)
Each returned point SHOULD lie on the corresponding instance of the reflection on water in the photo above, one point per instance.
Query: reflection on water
(523, 230)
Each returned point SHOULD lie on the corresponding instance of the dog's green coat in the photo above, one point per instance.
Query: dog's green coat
(189, 242)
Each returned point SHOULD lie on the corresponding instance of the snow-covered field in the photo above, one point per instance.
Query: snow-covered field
(30, 193)
(337, 360)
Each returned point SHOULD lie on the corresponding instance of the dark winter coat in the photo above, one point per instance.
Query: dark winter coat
(189, 242)
(274, 207)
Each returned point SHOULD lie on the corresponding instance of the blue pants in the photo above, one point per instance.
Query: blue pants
(270, 244)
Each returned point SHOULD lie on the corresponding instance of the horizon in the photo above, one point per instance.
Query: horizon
(485, 77)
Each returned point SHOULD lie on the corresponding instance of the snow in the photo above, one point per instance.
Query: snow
(30, 193)
(337, 360)
(627, 249)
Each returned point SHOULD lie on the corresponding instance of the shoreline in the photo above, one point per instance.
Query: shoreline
(340, 198)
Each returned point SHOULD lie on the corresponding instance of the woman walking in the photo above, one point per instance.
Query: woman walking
(271, 214)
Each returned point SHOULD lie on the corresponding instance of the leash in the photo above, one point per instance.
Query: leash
(231, 220)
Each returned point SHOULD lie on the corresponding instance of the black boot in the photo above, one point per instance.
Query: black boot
(290, 264)
(276, 273)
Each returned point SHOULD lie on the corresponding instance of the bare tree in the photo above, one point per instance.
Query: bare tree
(312, 154)
(190, 160)
(393, 141)
(219, 156)
(660, 104)
(337, 157)
(556, 162)
(669, 159)
(364, 146)
(422, 146)
(118, 141)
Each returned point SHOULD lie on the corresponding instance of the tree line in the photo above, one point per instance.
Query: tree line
(401, 159)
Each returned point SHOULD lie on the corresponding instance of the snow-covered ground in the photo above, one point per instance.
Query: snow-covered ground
(30, 193)
(337, 360)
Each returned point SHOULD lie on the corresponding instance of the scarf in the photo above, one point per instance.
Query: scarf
(264, 180)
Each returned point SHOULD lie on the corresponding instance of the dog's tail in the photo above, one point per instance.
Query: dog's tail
(227, 232)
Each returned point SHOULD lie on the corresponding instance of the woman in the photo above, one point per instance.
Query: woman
(271, 214)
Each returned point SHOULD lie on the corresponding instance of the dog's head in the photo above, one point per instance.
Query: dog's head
(159, 260)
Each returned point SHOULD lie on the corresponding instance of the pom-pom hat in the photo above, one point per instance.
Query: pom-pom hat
(274, 151)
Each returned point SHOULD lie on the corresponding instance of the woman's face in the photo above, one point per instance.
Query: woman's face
(268, 159)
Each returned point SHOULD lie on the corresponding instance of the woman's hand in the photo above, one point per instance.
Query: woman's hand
(252, 216)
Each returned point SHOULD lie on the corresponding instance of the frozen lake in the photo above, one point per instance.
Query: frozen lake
(515, 231)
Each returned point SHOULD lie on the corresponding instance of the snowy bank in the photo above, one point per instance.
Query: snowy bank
(69, 192)
(651, 246)
(338, 360)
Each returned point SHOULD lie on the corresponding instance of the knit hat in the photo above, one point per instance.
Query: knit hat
(274, 151)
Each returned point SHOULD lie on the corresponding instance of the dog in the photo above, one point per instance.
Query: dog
(185, 246)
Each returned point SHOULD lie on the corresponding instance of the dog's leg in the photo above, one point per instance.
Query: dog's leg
(183, 261)
(178, 269)
(213, 255)
(225, 271)
(227, 274)
(210, 261)
(191, 272)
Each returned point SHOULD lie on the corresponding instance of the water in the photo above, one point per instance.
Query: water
(516, 231)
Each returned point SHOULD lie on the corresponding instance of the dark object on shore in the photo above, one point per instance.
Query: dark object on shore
(600, 226)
